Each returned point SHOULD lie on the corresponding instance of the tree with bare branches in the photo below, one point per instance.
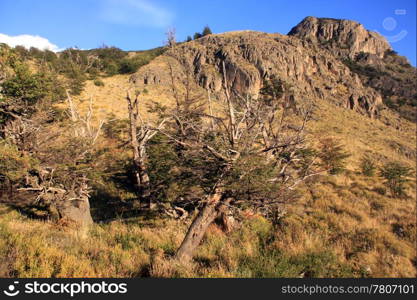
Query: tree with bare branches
(252, 155)
(171, 37)
(141, 132)
(58, 180)
(62, 182)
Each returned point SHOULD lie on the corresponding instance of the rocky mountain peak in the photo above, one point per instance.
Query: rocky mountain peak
(343, 37)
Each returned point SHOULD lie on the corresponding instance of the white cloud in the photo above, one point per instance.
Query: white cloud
(136, 12)
(27, 41)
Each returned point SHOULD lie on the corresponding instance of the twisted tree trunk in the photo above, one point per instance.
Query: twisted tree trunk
(216, 205)
(142, 181)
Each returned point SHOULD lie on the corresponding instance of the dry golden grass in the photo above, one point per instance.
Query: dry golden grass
(33, 248)
(360, 134)
(330, 225)
(109, 101)
(342, 222)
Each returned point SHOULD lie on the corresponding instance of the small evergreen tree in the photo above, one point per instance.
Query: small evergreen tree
(189, 39)
(206, 31)
(333, 156)
(395, 174)
(368, 166)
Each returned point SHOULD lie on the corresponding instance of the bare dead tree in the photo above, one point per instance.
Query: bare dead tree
(171, 37)
(141, 132)
(82, 125)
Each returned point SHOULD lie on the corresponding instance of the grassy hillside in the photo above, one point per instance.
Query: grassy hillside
(343, 225)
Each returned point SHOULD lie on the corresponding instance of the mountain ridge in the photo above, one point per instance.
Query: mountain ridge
(313, 70)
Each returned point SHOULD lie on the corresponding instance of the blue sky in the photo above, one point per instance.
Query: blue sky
(141, 24)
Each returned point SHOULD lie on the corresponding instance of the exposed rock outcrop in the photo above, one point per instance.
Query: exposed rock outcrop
(369, 55)
(250, 57)
(343, 37)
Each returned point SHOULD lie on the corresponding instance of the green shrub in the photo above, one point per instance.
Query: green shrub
(389, 103)
(395, 174)
(76, 80)
(162, 161)
(128, 66)
(115, 128)
(24, 86)
(131, 65)
(98, 82)
(364, 70)
(368, 166)
(206, 31)
(272, 89)
(333, 156)
(108, 53)
(111, 69)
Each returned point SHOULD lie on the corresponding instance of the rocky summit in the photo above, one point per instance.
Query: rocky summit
(344, 37)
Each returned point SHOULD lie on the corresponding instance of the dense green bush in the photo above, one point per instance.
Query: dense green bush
(128, 66)
(106, 53)
(79, 65)
(272, 263)
(206, 31)
(115, 128)
(24, 85)
(163, 160)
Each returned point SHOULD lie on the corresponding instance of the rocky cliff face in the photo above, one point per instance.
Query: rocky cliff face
(369, 56)
(343, 37)
(299, 59)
